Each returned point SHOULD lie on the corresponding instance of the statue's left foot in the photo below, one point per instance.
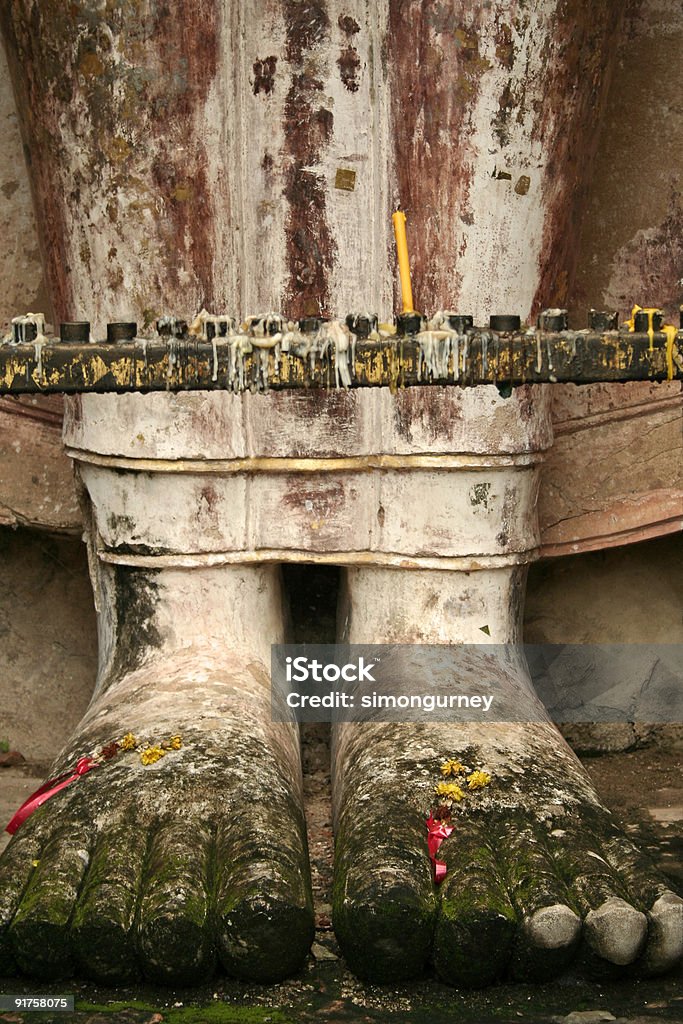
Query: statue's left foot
(538, 875)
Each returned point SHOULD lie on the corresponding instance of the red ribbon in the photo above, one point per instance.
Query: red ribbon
(48, 789)
(437, 831)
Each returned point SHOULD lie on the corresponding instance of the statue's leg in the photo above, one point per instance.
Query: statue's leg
(538, 874)
(166, 868)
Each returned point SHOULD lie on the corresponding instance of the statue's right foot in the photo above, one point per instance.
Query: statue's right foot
(195, 860)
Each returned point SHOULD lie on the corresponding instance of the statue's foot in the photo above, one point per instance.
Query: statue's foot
(538, 874)
(198, 859)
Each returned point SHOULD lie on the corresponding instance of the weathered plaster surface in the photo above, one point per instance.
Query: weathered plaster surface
(630, 249)
(631, 486)
(49, 646)
(22, 286)
(242, 154)
(178, 157)
(495, 109)
(209, 158)
(393, 491)
(35, 478)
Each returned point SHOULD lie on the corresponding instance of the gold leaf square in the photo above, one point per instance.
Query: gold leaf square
(345, 179)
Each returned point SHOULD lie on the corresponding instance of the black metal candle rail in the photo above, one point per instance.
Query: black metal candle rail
(506, 358)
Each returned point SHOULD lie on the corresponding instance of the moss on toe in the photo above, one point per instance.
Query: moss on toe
(384, 904)
(264, 939)
(103, 925)
(477, 923)
(40, 931)
(386, 938)
(175, 927)
(266, 921)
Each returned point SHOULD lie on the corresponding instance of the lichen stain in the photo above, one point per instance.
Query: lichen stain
(349, 66)
(505, 50)
(306, 25)
(348, 25)
(307, 124)
(116, 149)
(84, 253)
(90, 65)
(9, 188)
(426, 410)
(264, 75)
(506, 104)
(479, 494)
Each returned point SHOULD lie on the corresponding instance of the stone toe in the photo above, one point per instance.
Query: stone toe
(664, 948)
(616, 931)
(477, 922)
(174, 933)
(40, 931)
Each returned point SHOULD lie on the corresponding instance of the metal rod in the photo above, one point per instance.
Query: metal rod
(478, 357)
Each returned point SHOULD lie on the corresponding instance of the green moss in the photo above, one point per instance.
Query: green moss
(175, 950)
(266, 946)
(213, 1013)
(471, 949)
(51, 908)
(8, 967)
(385, 933)
(149, 316)
(220, 1013)
(107, 952)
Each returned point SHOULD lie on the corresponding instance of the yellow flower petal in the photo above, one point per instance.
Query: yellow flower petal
(128, 742)
(150, 755)
(452, 767)
(450, 790)
(478, 779)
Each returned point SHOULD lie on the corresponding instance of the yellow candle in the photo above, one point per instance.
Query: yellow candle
(650, 311)
(669, 330)
(399, 219)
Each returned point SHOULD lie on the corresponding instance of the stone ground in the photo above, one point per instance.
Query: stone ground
(644, 787)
